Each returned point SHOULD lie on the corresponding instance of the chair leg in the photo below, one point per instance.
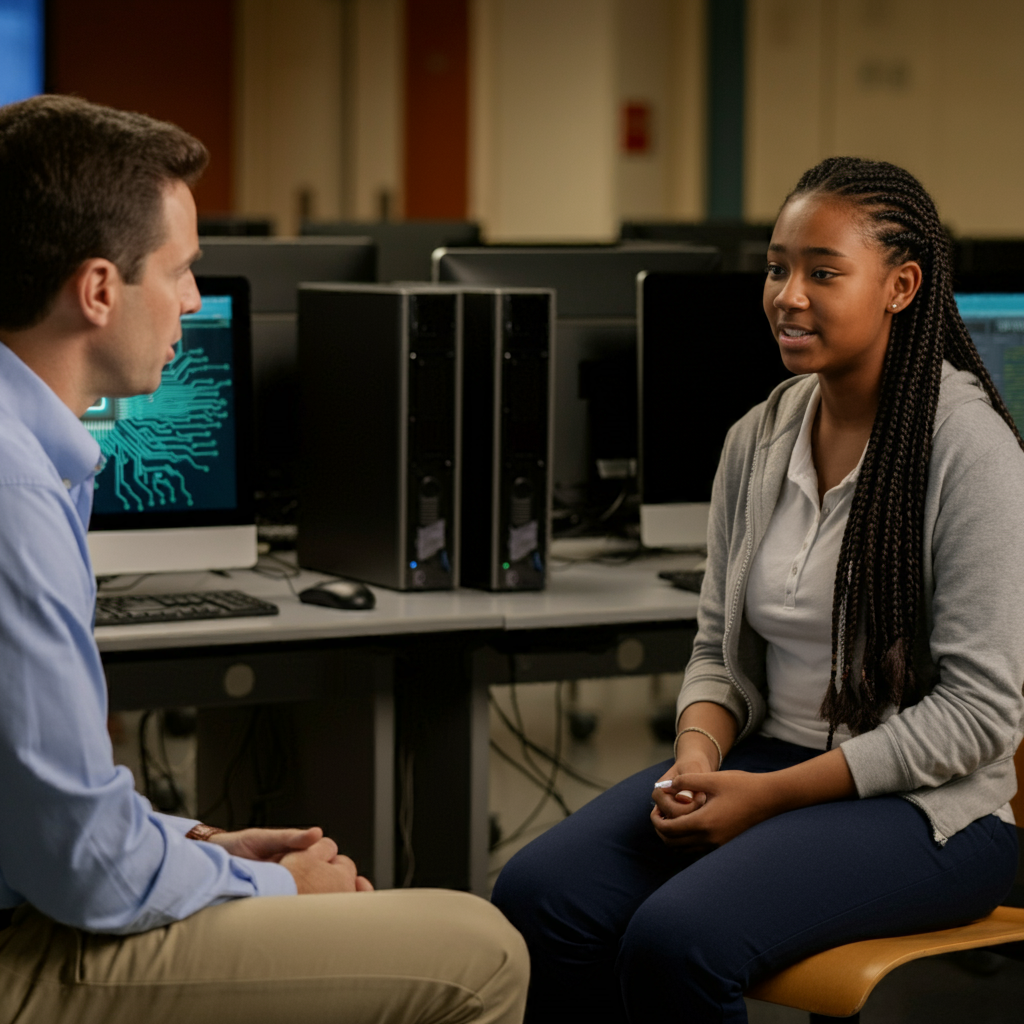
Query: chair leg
(820, 1018)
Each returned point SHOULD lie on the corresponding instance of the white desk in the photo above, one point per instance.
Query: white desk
(349, 689)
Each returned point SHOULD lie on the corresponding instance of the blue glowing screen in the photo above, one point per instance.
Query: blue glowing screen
(996, 323)
(21, 49)
(174, 450)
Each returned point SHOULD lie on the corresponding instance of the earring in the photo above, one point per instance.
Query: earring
(895, 304)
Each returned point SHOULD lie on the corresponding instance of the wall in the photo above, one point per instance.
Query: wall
(660, 61)
(543, 122)
(289, 103)
(436, 86)
(377, 105)
(933, 85)
(127, 55)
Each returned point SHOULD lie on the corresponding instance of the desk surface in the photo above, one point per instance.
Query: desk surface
(578, 594)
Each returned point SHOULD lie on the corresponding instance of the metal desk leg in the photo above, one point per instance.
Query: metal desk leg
(443, 764)
(325, 761)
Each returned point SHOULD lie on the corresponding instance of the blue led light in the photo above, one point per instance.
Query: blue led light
(412, 565)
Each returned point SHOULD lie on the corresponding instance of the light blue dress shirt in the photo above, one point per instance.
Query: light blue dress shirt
(76, 840)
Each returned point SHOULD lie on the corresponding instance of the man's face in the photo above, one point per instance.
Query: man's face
(148, 323)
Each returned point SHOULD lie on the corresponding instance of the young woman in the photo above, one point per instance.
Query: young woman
(849, 716)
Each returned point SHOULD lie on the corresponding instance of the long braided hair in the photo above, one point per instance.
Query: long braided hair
(879, 585)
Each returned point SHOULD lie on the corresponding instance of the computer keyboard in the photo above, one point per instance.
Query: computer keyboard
(126, 609)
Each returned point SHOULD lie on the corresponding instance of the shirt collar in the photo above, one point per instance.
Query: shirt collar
(24, 395)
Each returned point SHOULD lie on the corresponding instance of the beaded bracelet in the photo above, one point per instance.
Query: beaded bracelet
(703, 732)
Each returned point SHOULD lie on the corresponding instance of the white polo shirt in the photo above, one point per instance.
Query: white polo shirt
(789, 594)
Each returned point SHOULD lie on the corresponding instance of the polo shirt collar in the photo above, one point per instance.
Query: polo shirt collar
(24, 395)
(801, 462)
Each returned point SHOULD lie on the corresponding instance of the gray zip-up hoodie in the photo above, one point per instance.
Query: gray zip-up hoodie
(952, 752)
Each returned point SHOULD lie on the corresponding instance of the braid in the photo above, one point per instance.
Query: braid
(879, 580)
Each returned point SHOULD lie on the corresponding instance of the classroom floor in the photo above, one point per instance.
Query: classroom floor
(941, 990)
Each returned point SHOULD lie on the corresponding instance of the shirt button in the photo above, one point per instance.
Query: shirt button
(793, 573)
(804, 548)
(66, 483)
(825, 511)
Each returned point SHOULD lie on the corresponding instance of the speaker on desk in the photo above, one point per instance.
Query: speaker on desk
(380, 368)
(508, 350)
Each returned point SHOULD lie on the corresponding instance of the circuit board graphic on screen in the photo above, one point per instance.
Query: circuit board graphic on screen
(174, 450)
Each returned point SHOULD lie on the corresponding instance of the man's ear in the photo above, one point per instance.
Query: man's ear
(96, 289)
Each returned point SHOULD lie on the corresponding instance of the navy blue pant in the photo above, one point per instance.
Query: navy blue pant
(622, 928)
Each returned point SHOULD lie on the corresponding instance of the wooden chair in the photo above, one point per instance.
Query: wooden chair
(836, 984)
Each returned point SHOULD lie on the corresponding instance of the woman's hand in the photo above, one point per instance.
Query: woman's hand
(677, 800)
(735, 801)
(722, 805)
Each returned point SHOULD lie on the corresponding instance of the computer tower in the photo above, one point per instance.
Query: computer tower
(508, 365)
(380, 370)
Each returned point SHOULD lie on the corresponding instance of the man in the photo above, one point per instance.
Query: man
(110, 911)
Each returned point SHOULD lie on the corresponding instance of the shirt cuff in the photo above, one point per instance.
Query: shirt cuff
(266, 877)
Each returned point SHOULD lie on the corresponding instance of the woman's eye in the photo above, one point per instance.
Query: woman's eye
(822, 275)
(773, 270)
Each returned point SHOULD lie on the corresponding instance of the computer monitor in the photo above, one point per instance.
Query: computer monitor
(274, 268)
(175, 494)
(706, 355)
(22, 49)
(404, 247)
(992, 307)
(742, 245)
(595, 442)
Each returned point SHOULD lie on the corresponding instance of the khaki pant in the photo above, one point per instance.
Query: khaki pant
(411, 955)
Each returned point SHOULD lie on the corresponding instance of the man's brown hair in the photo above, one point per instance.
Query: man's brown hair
(80, 181)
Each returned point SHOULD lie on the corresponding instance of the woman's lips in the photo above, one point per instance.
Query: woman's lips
(797, 340)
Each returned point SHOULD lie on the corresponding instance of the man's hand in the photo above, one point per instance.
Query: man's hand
(319, 868)
(267, 843)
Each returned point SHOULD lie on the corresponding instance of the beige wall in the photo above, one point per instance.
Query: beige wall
(934, 85)
(548, 81)
(660, 60)
(543, 119)
(377, 105)
(288, 107)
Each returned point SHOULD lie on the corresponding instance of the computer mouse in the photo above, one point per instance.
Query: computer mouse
(340, 594)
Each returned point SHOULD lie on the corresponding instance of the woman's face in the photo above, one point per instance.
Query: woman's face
(829, 294)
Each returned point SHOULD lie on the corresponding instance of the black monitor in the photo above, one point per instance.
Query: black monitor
(992, 307)
(595, 441)
(1000, 256)
(176, 491)
(743, 246)
(404, 247)
(706, 355)
(274, 268)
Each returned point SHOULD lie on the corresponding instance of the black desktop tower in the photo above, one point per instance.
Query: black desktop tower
(508, 353)
(380, 368)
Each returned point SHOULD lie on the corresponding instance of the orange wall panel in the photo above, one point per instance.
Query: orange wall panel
(170, 60)
(436, 108)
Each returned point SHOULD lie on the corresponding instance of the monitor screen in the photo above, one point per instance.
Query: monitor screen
(274, 268)
(404, 248)
(706, 356)
(21, 49)
(996, 322)
(180, 458)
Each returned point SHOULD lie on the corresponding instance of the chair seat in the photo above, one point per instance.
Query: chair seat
(837, 982)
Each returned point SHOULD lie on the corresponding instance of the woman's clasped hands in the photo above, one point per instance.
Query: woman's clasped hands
(700, 809)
